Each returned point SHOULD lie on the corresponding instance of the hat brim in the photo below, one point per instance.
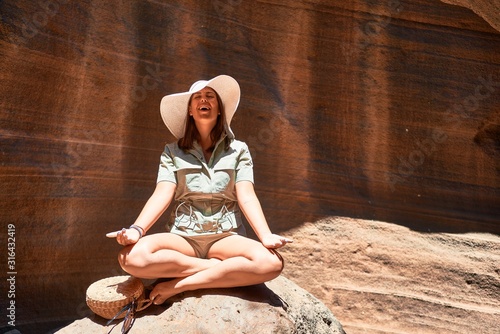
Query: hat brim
(173, 107)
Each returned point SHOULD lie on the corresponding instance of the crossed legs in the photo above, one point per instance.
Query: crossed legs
(232, 261)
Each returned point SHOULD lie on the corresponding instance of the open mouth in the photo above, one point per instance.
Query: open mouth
(204, 108)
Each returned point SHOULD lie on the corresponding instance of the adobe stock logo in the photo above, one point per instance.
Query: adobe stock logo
(224, 6)
(373, 28)
(454, 116)
(31, 26)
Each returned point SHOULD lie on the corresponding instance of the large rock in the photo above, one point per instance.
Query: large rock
(385, 278)
(487, 9)
(278, 306)
(385, 110)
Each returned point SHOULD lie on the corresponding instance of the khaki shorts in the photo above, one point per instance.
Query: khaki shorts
(203, 242)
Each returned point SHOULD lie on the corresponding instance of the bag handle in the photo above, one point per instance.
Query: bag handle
(143, 304)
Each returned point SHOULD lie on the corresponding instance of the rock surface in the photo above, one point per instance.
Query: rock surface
(487, 9)
(277, 307)
(381, 278)
(385, 110)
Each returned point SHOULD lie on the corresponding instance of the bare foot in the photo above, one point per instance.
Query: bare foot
(207, 264)
(163, 291)
(214, 261)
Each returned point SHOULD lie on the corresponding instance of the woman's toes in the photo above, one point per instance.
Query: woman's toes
(161, 292)
(158, 300)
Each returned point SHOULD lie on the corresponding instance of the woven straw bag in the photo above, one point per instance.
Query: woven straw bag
(108, 296)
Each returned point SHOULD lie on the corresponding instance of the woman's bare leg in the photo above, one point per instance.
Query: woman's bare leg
(162, 255)
(244, 262)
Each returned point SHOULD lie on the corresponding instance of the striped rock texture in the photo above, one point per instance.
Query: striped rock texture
(384, 110)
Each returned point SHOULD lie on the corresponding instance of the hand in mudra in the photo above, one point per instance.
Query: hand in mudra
(274, 241)
(125, 236)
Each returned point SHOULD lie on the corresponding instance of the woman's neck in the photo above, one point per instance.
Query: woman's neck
(206, 144)
(205, 141)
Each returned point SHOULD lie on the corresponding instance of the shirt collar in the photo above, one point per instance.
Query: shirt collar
(197, 147)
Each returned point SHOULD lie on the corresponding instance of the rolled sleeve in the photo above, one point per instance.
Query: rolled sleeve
(244, 166)
(166, 170)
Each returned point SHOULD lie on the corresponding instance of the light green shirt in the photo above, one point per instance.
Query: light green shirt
(206, 193)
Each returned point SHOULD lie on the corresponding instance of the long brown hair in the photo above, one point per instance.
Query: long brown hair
(191, 133)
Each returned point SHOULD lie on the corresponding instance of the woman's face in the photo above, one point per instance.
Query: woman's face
(204, 107)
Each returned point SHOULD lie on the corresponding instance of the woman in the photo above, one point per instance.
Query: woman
(210, 174)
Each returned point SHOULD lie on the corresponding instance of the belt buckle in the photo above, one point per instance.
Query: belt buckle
(210, 226)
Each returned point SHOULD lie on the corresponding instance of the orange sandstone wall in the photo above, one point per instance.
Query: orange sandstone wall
(384, 110)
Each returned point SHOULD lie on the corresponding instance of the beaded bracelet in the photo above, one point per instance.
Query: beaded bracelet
(138, 229)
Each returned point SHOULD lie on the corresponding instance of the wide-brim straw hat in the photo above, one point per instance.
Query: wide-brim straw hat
(173, 107)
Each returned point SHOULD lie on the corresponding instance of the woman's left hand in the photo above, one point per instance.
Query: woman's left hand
(275, 241)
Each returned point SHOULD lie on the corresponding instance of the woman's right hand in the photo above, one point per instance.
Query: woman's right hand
(125, 236)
